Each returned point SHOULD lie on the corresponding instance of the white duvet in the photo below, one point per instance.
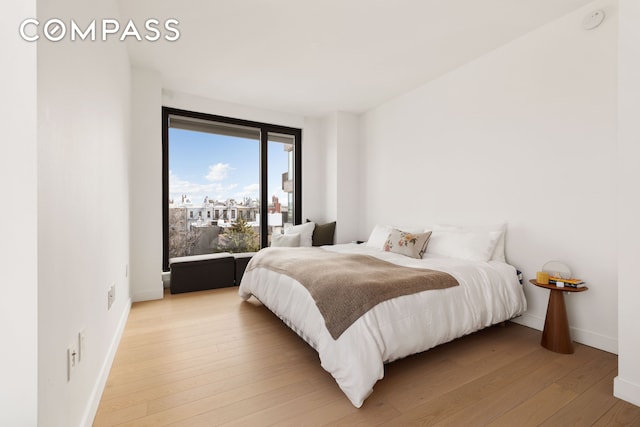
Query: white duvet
(489, 293)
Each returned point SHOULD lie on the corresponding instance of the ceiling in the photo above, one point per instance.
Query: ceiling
(313, 57)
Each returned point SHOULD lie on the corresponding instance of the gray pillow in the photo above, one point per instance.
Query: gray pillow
(323, 233)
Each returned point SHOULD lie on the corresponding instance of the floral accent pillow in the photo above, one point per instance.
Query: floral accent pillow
(412, 245)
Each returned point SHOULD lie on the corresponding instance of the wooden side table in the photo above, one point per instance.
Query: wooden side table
(556, 336)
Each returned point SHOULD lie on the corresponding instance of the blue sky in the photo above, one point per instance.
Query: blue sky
(221, 167)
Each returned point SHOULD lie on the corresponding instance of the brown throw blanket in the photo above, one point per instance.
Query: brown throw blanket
(346, 286)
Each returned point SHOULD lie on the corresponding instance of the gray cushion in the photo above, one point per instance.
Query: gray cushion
(323, 234)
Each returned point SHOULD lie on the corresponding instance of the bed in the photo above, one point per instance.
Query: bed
(487, 292)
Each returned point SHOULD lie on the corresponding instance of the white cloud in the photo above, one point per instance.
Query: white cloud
(250, 191)
(219, 171)
(252, 188)
(197, 192)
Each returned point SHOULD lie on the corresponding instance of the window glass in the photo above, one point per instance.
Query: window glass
(217, 172)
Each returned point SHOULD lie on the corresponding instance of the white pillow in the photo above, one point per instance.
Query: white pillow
(378, 236)
(305, 231)
(291, 240)
(467, 245)
(499, 250)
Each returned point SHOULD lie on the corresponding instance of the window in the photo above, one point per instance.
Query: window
(246, 173)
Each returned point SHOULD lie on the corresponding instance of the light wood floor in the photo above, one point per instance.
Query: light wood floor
(207, 358)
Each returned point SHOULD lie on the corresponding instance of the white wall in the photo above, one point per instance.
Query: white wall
(146, 186)
(627, 383)
(336, 146)
(83, 211)
(330, 149)
(344, 170)
(314, 173)
(18, 222)
(348, 171)
(526, 134)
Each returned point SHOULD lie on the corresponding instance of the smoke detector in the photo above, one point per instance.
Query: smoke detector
(593, 19)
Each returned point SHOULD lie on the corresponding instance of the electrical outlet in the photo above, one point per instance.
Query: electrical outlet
(111, 296)
(82, 341)
(72, 360)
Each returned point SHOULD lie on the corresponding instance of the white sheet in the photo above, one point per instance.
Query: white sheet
(489, 293)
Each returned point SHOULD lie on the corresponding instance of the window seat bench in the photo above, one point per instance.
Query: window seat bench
(208, 271)
(200, 272)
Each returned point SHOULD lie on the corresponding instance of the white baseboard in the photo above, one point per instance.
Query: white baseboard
(625, 390)
(157, 293)
(166, 279)
(96, 394)
(592, 339)
(530, 321)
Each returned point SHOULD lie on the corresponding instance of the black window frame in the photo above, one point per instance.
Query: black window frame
(265, 129)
